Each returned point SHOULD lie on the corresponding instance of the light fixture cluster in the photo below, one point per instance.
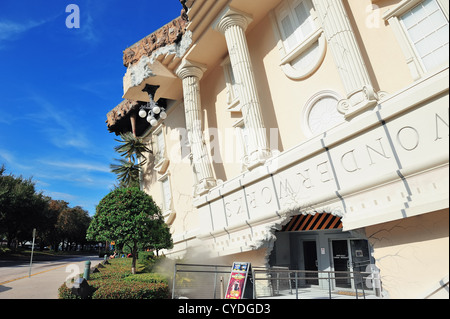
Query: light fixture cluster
(151, 110)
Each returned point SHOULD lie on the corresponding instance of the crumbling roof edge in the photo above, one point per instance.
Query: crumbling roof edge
(168, 34)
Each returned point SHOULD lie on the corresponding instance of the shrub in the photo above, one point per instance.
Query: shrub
(131, 290)
(147, 259)
(151, 278)
(115, 281)
(65, 292)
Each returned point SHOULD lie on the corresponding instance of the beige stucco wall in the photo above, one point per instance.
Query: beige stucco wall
(283, 99)
(179, 172)
(412, 254)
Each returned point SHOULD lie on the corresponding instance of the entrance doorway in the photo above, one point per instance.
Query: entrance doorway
(349, 255)
(311, 263)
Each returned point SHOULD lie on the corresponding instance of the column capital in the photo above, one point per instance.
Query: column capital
(188, 68)
(232, 17)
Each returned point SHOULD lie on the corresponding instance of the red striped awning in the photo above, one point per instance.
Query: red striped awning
(318, 221)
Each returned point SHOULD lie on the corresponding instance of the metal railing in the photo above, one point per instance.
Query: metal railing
(199, 281)
(313, 284)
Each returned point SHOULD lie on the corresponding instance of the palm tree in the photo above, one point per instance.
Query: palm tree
(132, 149)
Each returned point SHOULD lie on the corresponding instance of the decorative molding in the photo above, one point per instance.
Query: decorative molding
(232, 17)
(311, 103)
(299, 74)
(188, 68)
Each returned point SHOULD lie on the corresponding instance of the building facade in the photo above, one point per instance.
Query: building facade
(310, 134)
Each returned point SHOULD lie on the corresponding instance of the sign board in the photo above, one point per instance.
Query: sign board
(240, 284)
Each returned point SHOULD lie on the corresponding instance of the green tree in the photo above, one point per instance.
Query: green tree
(21, 207)
(132, 149)
(46, 230)
(72, 225)
(129, 217)
(50, 232)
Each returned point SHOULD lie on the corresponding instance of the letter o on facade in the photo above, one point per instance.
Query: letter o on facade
(266, 194)
(408, 138)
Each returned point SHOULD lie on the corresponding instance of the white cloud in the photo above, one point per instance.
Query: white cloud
(87, 29)
(83, 166)
(7, 156)
(60, 196)
(10, 30)
(63, 129)
(10, 160)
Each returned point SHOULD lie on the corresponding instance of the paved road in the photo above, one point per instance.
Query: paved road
(46, 277)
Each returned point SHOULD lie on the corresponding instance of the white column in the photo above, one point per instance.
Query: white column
(191, 74)
(347, 56)
(233, 25)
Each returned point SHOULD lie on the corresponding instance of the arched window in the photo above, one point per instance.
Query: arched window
(321, 113)
(302, 42)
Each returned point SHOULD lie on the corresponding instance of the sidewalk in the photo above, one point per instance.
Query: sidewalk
(45, 284)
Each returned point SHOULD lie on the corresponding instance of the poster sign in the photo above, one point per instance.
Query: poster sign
(239, 285)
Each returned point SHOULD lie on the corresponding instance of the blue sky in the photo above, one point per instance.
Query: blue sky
(57, 84)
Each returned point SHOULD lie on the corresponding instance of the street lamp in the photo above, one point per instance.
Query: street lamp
(152, 111)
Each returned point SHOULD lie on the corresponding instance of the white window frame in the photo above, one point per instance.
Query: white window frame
(241, 135)
(160, 149)
(393, 16)
(161, 160)
(166, 202)
(233, 102)
(288, 55)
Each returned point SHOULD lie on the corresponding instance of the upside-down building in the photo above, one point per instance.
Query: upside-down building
(310, 134)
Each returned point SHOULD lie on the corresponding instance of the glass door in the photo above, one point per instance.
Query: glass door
(310, 259)
(341, 262)
(360, 259)
(350, 255)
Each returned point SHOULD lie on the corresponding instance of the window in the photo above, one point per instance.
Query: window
(295, 22)
(427, 29)
(421, 27)
(160, 146)
(232, 90)
(161, 162)
(167, 195)
(321, 113)
(242, 142)
(302, 43)
(167, 209)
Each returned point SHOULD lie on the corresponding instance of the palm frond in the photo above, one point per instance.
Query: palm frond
(132, 147)
(127, 171)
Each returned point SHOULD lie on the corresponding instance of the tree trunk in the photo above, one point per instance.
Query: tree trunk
(133, 263)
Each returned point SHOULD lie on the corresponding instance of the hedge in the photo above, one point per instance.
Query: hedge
(115, 281)
(130, 290)
(151, 278)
